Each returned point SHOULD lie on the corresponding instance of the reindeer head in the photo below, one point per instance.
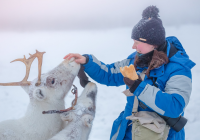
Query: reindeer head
(55, 84)
(51, 86)
(79, 120)
(85, 107)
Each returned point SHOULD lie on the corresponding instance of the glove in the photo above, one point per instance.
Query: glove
(83, 77)
(132, 84)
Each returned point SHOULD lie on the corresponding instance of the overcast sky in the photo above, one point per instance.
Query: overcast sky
(91, 14)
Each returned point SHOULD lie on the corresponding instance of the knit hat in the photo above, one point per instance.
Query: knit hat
(149, 29)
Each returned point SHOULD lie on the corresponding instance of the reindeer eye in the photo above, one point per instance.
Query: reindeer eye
(53, 81)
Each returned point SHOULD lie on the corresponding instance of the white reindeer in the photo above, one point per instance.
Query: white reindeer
(46, 92)
(79, 121)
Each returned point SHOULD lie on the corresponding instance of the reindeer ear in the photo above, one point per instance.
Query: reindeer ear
(38, 94)
(87, 120)
(26, 88)
(67, 116)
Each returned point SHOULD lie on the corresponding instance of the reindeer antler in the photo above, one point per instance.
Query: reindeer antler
(28, 63)
(74, 91)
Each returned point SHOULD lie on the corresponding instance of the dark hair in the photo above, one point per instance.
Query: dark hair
(159, 58)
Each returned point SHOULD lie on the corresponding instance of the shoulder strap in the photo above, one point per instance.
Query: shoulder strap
(135, 105)
(173, 50)
(154, 79)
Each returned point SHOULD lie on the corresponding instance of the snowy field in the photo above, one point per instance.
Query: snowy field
(108, 46)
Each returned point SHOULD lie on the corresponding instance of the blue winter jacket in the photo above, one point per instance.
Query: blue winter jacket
(174, 81)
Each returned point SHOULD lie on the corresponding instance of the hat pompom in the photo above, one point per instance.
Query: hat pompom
(150, 11)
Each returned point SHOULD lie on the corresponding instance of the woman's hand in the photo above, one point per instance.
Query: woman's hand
(132, 84)
(78, 58)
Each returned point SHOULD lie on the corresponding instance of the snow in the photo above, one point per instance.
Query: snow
(108, 46)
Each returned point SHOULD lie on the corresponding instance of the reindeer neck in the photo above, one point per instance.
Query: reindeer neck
(76, 130)
(34, 114)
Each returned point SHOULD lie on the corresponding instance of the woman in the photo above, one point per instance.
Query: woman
(167, 85)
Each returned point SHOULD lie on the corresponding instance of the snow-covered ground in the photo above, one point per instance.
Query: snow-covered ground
(108, 46)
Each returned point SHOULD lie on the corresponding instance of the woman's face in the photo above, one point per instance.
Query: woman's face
(142, 48)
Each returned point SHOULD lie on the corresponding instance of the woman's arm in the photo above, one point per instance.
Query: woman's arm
(107, 74)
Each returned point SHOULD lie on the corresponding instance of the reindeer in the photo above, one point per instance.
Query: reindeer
(45, 92)
(79, 119)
